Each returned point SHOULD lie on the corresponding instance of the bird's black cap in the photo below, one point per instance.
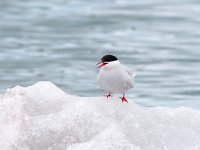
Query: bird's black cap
(108, 58)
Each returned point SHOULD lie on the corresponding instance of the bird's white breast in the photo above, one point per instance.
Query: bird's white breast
(113, 78)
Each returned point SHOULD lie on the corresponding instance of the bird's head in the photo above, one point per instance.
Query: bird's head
(108, 61)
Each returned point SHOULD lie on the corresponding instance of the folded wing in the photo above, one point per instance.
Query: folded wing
(130, 71)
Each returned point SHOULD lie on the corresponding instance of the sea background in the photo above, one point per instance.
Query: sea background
(62, 40)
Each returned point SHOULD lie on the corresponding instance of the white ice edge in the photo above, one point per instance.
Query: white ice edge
(42, 116)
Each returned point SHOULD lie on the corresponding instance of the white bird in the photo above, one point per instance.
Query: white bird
(114, 77)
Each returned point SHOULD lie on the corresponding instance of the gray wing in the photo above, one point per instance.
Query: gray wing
(129, 71)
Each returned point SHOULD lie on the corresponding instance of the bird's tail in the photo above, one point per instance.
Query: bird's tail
(139, 68)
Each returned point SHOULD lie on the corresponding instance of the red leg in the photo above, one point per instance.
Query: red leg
(108, 95)
(124, 99)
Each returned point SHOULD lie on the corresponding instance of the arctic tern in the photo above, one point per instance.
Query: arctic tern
(114, 77)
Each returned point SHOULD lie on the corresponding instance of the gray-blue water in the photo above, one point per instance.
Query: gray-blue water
(61, 41)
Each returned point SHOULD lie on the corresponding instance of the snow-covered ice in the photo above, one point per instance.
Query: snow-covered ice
(43, 117)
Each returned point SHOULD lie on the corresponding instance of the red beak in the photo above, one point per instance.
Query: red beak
(101, 64)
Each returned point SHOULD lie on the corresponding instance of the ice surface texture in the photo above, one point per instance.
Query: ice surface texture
(42, 117)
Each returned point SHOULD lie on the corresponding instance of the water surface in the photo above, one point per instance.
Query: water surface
(61, 41)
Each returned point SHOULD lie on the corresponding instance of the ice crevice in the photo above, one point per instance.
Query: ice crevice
(44, 117)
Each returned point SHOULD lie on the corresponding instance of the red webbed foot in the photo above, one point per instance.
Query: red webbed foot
(123, 99)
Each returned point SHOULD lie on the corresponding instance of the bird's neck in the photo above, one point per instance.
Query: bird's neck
(112, 65)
